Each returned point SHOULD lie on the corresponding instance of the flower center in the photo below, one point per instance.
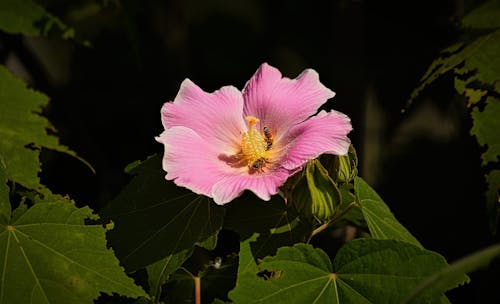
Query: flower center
(254, 146)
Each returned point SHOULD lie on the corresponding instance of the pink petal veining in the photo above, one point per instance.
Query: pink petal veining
(216, 117)
(280, 102)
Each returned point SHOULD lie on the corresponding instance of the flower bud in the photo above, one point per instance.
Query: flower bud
(346, 166)
(315, 195)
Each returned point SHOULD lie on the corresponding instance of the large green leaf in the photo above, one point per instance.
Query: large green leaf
(154, 218)
(364, 271)
(23, 131)
(453, 275)
(485, 16)
(28, 18)
(381, 222)
(486, 126)
(5, 208)
(48, 255)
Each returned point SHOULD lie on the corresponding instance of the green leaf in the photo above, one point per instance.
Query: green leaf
(154, 218)
(28, 18)
(215, 282)
(453, 275)
(486, 16)
(21, 126)
(159, 272)
(276, 224)
(449, 59)
(5, 208)
(484, 62)
(479, 57)
(485, 127)
(364, 271)
(381, 222)
(49, 255)
(493, 198)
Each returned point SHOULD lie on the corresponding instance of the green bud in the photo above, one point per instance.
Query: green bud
(315, 195)
(346, 166)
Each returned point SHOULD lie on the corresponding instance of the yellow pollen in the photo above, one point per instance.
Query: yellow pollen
(253, 144)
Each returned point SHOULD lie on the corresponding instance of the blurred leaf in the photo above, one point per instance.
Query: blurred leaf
(154, 218)
(486, 126)
(24, 131)
(381, 222)
(453, 275)
(49, 255)
(364, 271)
(486, 16)
(493, 198)
(30, 19)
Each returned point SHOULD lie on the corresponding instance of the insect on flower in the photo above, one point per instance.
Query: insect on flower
(269, 137)
(222, 143)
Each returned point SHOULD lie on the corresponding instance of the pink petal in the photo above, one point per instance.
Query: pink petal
(280, 102)
(194, 163)
(323, 133)
(216, 117)
(190, 161)
(263, 185)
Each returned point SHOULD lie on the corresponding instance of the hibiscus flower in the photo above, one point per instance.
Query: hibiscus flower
(222, 143)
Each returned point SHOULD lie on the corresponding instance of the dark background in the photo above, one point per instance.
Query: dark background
(106, 98)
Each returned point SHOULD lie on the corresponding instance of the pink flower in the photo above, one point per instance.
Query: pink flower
(222, 143)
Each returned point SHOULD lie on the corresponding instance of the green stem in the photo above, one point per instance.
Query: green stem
(333, 220)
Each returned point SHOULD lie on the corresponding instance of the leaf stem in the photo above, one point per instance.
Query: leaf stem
(333, 220)
(197, 290)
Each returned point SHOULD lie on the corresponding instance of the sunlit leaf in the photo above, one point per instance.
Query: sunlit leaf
(484, 62)
(480, 63)
(28, 18)
(23, 131)
(449, 59)
(154, 218)
(453, 275)
(48, 255)
(486, 126)
(381, 222)
(364, 271)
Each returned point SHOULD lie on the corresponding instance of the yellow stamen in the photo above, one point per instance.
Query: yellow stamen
(254, 145)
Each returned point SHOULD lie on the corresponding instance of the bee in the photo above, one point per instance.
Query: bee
(258, 164)
(269, 138)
